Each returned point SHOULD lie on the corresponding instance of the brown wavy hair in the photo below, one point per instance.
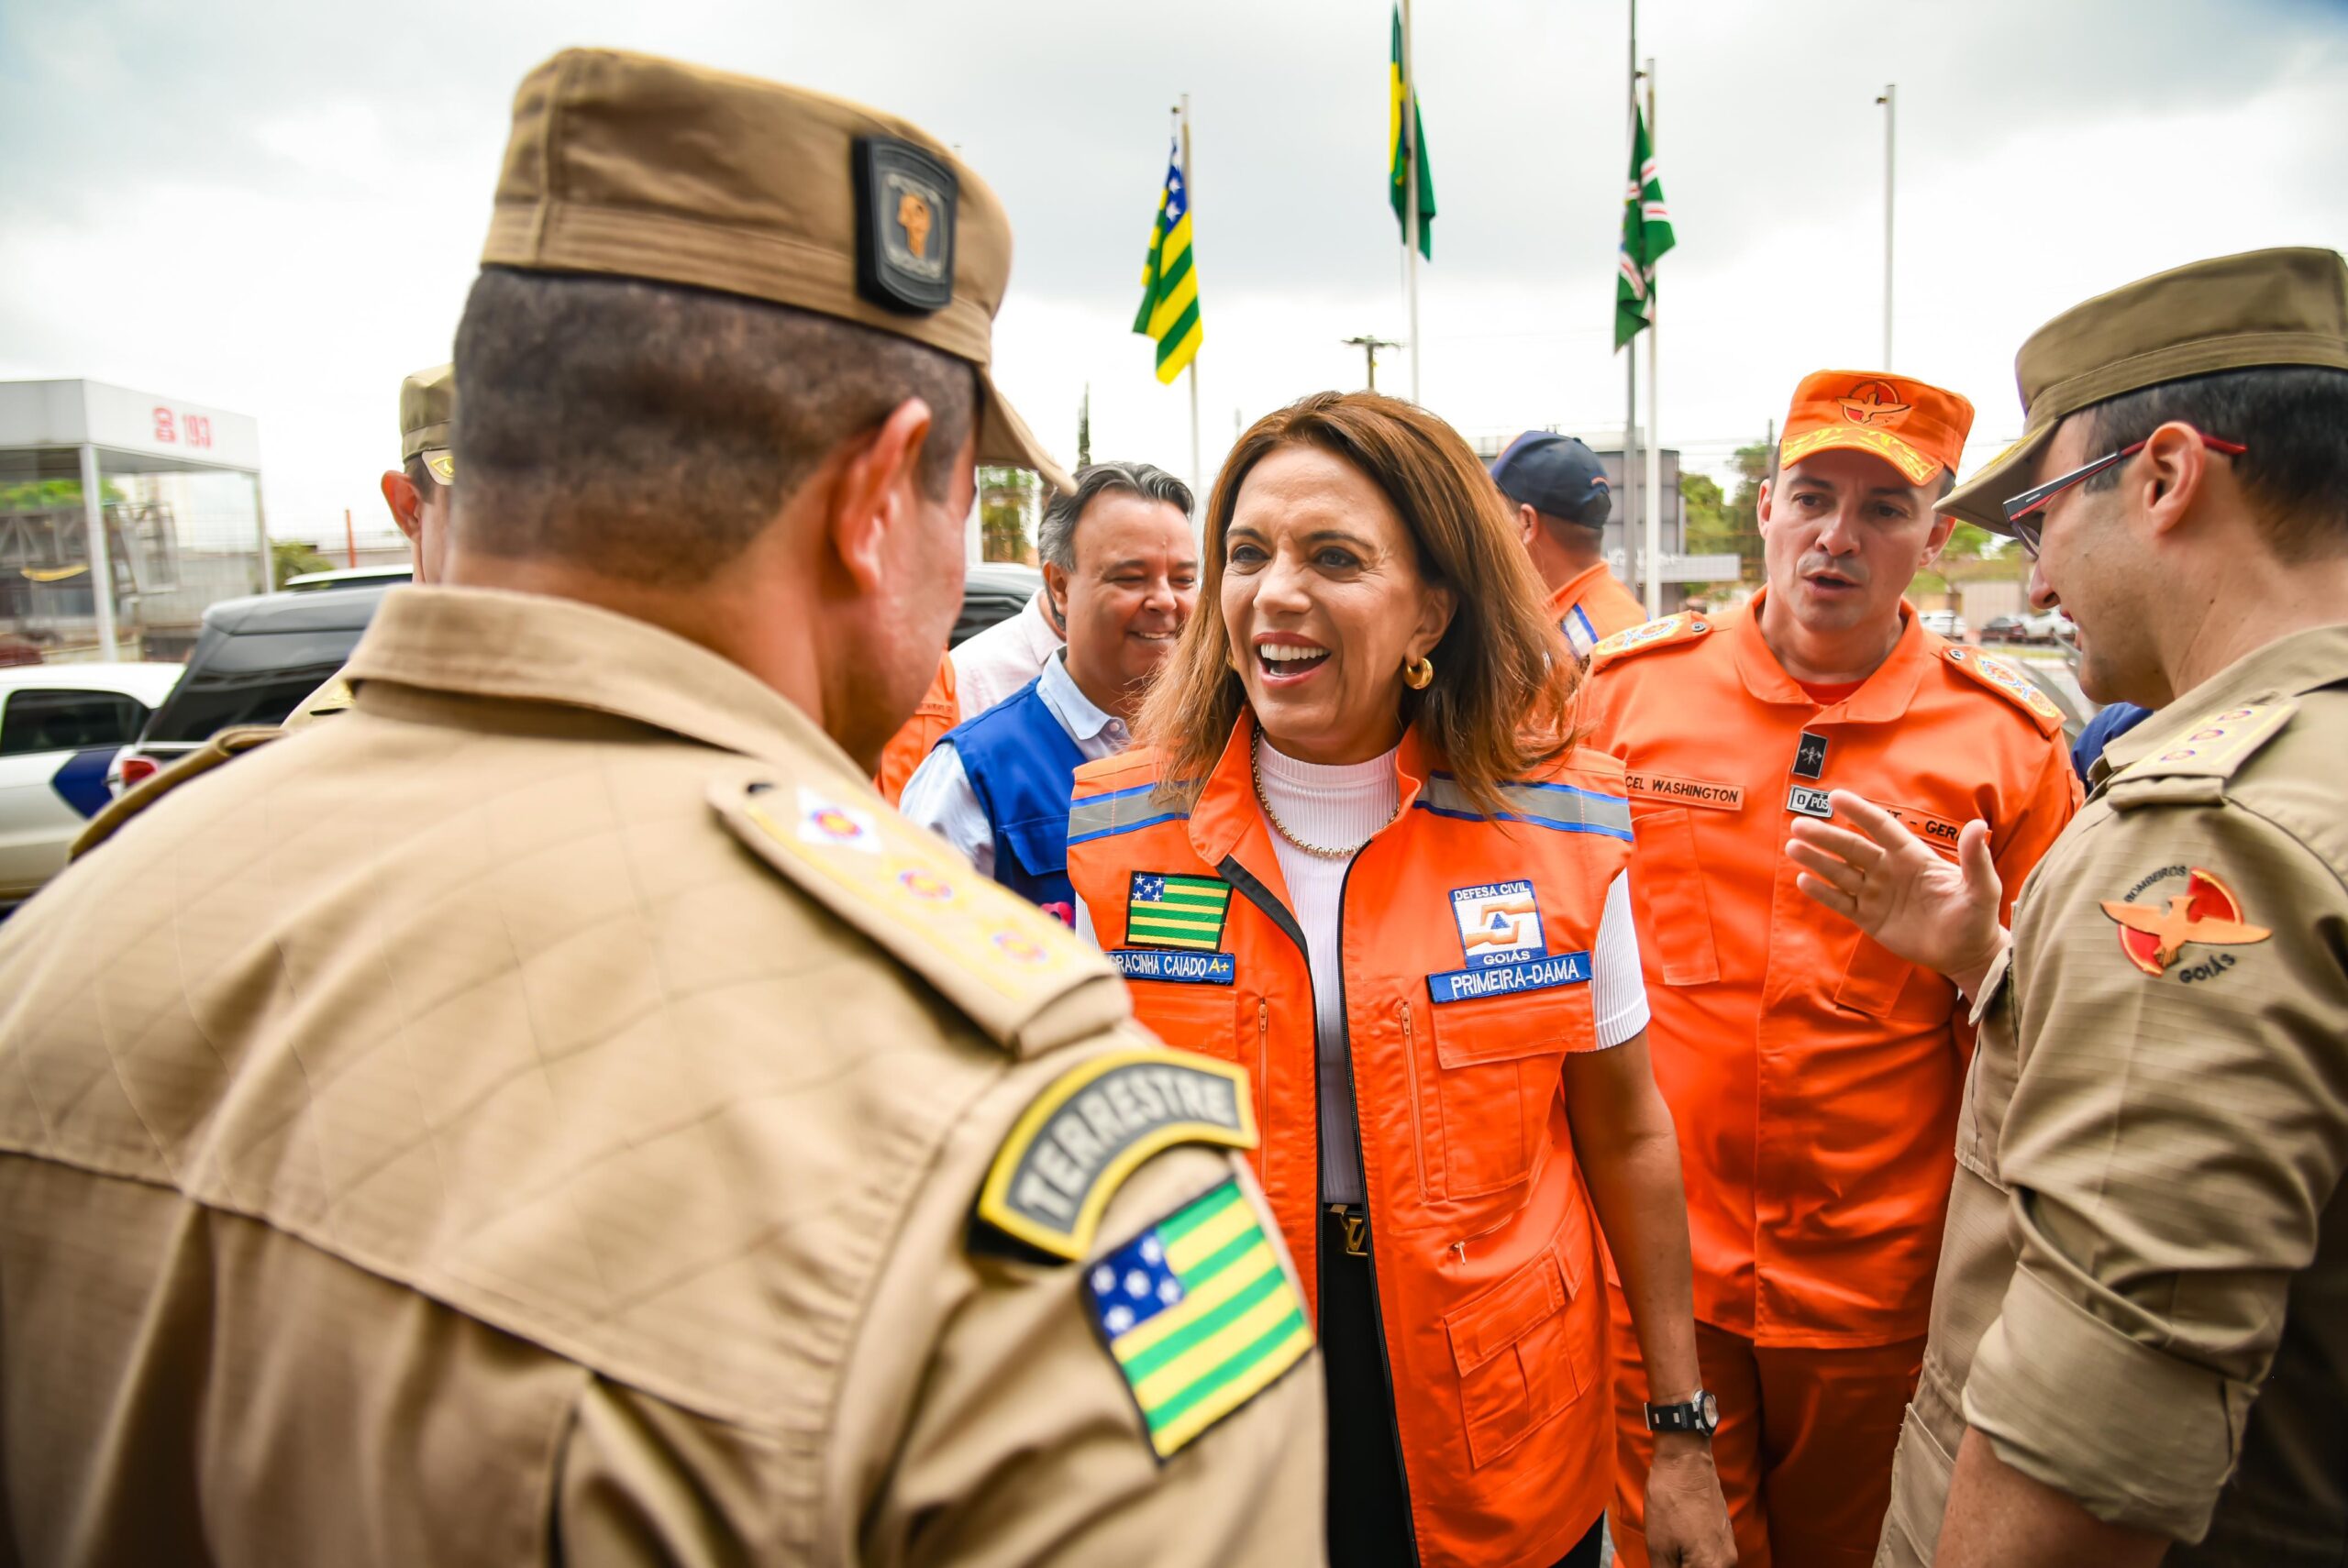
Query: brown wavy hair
(1502, 699)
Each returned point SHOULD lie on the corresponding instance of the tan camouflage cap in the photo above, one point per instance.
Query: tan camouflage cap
(639, 167)
(2263, 307)
(427, 410)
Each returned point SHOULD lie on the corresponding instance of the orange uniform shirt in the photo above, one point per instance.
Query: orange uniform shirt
(1591, 607)
(1814, 1075)
(939, 711)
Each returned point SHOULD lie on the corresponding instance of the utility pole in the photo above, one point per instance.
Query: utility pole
(1890, 120)
(1369, 347)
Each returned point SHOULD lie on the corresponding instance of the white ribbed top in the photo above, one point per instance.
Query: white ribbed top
(1336, 807)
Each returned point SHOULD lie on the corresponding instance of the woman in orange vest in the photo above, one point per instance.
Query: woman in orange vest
(1359, 856)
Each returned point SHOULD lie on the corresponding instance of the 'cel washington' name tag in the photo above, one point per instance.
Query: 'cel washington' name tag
(1163, 963)
(1507, 979)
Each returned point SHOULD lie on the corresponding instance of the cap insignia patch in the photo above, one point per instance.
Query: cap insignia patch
(1873, 403)
(904, 241)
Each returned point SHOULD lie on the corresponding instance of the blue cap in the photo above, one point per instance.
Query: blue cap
(1556, 475)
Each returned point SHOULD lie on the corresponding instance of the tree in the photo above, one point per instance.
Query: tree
(1004, 499)
(1722, 524)
(291, 557)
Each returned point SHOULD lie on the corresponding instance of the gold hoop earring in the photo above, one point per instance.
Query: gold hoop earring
(1419, 674)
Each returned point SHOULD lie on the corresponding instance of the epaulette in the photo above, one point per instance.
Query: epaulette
(1097, 1123)
(1000, 960)
(2009, 683)
(1137, 765)
(2192, 766)
(224, 744)
(1669, 631)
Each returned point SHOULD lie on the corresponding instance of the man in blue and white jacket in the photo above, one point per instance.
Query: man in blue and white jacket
(1121, 569)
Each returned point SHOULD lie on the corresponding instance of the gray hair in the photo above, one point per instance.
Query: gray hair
(1056, 540)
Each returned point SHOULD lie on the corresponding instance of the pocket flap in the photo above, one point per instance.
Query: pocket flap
(1511, 1028)
(1041, 842)
(1506, 1313)
(1204, 1019)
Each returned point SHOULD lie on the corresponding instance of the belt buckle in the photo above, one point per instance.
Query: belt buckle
(1356, 1224)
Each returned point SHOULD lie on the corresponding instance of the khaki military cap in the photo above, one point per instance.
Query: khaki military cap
(637, 167)
(428, 409)
(2263, 307)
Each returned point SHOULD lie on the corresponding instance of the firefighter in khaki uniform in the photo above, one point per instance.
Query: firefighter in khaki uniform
(641, 1144)
(2139, 1348)
(1813, 1077)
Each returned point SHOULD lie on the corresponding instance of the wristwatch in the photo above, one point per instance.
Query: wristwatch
(1699, 1414)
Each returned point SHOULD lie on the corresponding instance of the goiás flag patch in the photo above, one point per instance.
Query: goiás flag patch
(1163, 909)
(1200, 1315)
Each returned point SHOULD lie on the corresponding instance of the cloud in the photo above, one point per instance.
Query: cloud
(276, 207)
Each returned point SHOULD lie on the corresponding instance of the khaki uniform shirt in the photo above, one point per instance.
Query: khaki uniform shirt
(518, 1122)
(2142, 1298)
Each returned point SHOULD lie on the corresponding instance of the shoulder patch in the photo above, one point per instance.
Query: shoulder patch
(1069, 1151)
(992, 953)
(1684, 628)
(224, 744)
(2210, 747)
(2009, 683)
(1199, 1314)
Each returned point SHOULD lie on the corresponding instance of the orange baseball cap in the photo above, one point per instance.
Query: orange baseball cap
(1915, 426)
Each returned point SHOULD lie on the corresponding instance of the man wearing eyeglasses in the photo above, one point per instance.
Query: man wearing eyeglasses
(2139, 1335)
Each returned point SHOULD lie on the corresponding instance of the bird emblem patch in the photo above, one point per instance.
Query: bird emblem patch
(1873, 402)
(2206, 913)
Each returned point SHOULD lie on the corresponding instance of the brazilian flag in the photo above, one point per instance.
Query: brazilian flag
(1399, 94)
(1169, 285)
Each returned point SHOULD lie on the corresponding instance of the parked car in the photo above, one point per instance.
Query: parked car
(253, 661)
(349, 577)
(2048, 627)
(992, 591)
(2002, 629)
(61, 726)
(1947, 623)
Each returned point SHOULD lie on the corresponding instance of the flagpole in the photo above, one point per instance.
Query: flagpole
(1631, 360)
(1654, 442)
(1411, 179)
(1190, 202)
(1891, 113)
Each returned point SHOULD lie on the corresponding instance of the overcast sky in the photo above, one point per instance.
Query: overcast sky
(276, 208)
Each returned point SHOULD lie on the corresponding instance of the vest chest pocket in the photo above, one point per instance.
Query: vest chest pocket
(1668, 875)
(1201, 1018)
(1498, 1062)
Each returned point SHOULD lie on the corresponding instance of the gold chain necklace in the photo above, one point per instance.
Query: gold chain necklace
(1255, 766)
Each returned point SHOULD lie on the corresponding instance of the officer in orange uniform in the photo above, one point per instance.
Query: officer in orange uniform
(1556, 490)
(1813, 1076)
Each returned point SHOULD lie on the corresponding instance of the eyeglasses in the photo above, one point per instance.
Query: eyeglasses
(2026, 513)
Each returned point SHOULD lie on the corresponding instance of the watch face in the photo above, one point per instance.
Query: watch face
(1709, 1408)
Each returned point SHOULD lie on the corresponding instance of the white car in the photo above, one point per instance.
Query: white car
(2047, 626)
(61, 725)
(1947, 623)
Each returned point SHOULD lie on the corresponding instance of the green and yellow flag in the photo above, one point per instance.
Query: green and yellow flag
(1646, 235)
(1169, 285)
(1399, 93)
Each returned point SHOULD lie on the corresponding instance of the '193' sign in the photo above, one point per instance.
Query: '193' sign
(181, 429)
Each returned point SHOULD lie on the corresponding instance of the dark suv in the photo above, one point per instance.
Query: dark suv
(253, 661)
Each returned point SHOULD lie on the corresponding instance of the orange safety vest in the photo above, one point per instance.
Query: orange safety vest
(1466, 946)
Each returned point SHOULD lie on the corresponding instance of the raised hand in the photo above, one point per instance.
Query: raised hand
(1898, 889)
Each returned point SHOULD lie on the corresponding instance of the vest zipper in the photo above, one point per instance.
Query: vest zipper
(1418, 1112)
(1361, 1165)
(1263, 1064)
(1256, 893)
